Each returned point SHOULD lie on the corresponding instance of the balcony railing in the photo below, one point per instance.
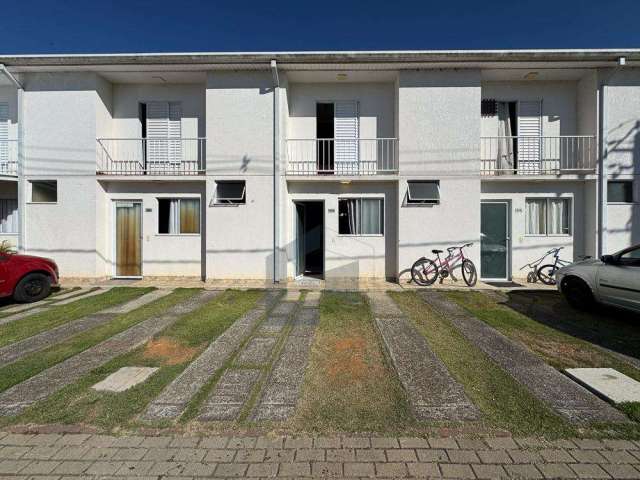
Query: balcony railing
(526, 155)
(342, 156)
(151, 156)
(8, 157)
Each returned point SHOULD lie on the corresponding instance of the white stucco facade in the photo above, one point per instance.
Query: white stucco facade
(247, 111)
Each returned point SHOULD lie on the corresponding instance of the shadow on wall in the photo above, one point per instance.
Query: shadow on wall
(627, 145)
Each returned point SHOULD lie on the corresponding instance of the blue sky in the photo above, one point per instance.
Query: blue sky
(59, 26)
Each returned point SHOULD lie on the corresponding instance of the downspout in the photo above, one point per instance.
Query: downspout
(19, 167)
(276, 170)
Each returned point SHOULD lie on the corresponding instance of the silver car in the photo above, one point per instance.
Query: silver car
(612, 280)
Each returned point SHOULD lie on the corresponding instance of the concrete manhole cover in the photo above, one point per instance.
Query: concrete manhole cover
(124, 379)
(608, 383)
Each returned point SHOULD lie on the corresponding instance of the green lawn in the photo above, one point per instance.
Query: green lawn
(349, 385)
(171, 351)
(504, 403)
(558, 348)
(36, 362)
(58, 315)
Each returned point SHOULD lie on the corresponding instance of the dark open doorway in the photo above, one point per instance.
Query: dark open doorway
(310, 238)
(325, 135)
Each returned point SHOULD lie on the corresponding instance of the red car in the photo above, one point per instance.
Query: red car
(27, 278)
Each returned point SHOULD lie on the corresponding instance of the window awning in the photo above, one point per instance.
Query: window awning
(423, 191)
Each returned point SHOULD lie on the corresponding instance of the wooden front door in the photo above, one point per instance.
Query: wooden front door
(128, 239)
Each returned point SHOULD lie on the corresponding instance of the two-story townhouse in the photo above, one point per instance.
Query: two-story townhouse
(324, 165)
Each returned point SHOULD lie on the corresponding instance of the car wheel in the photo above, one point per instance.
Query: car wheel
(577, 293)
(32, 287)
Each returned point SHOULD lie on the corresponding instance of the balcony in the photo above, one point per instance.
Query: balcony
(8, 158)
(526, 155)
(151, 156)
(342, 156)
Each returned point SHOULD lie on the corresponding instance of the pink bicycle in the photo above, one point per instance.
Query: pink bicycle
(426, 271)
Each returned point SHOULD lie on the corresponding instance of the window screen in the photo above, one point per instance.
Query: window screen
(44, 191)
(230, 192)
(620, 191)
(178, 216)
(423, 192)
(360, 216)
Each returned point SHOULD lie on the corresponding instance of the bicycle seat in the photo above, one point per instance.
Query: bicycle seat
(436, 251)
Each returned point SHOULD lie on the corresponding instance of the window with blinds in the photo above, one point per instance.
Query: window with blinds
(164, 133)
(4, 132)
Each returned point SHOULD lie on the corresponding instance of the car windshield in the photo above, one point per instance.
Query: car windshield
(632, 252)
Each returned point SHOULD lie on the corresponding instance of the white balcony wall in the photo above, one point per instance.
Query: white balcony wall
(558, 105)
(439, 136)
(587, 104)
(240, 126)
(375, 103)
(622, 138)
(438, 123)
(60, 127)
(239, 123)
(128, 97)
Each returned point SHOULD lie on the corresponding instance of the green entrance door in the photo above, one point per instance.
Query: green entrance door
(494, 240)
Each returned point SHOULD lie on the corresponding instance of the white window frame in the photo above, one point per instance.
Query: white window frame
(230, 202)
(179, 234)
(423, 202)
(37, 180)
(381, 213)
(546, 223)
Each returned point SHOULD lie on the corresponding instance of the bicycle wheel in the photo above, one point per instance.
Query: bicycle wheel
(424, 272)
(469, 273)
(547, 274)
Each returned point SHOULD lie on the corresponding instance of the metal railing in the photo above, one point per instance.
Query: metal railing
(8, 157)
(527, 155)
(151, 156)
(342, 156)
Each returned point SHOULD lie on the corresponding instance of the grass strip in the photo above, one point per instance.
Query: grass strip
(58, 315)
(170, 351)
(349, 385)
(557, 348)
(503, 401)
(36, 362)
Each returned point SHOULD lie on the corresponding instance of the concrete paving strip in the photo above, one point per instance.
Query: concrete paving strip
(312, 299)
(257, 351)
(100, 291)
(45, 301)
(50, 304)
(572, 401)
(432, 392)
(173, 400)
(608, 383)
(124, 378)
(229, 395)
(45, 339)
(282, 388)
(14, 400)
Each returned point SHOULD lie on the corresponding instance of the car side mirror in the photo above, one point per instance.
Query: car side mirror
(608, 259)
